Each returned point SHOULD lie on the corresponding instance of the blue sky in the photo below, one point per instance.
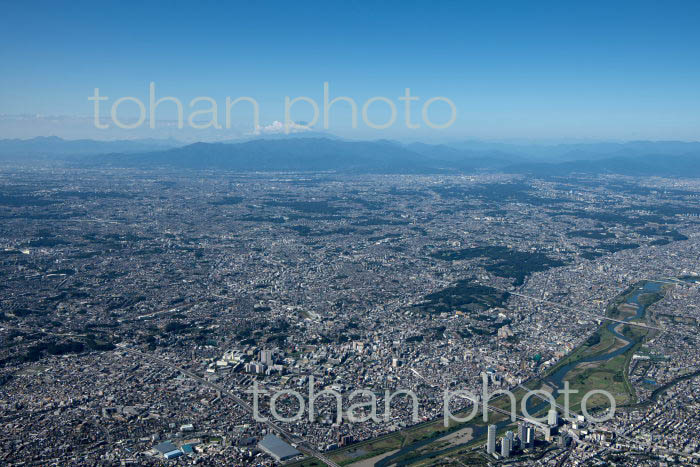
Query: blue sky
(515, 70)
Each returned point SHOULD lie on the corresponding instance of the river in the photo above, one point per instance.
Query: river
(555, 379)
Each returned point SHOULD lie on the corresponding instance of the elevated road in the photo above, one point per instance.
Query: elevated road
(479, 403)
(579, 310)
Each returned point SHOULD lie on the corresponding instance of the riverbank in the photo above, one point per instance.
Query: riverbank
(601, 362)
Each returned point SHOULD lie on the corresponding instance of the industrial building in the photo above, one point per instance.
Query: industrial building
(277, 448)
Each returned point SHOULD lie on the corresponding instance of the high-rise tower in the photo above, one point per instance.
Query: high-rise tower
(491, 440)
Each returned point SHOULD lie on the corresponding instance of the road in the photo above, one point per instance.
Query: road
(478, 403)
(578, 310)
(301, 445)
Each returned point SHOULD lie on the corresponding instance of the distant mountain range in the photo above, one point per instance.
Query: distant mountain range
(315, 154)
(661, 165)
(584, 151)
(45, 146)
(318, 152)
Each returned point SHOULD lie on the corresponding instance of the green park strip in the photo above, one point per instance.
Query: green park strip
(604, 374)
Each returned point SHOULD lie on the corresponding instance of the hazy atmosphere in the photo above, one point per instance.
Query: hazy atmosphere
(357, 234)
(529, 71)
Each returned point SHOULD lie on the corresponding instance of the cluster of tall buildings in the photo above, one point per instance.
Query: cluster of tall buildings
(525, 439)
(236, 359)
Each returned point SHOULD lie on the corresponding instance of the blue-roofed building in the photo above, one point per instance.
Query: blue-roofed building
(168, 450)
(187, 448)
